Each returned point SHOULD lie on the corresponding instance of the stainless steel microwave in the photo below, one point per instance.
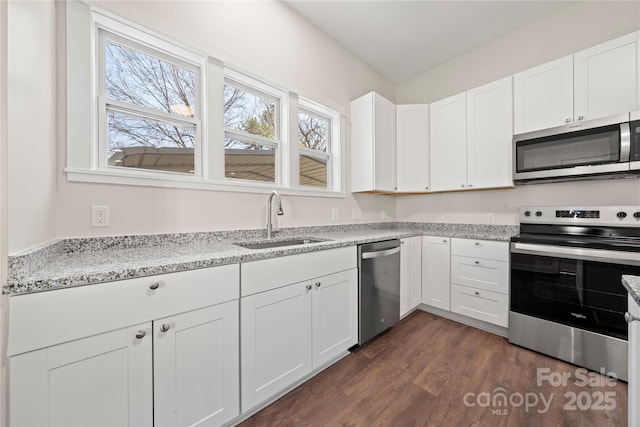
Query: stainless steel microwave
(604, 146)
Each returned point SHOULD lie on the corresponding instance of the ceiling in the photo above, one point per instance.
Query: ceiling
(401, 39)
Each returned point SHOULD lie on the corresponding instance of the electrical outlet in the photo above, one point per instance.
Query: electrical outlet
(99, 216)
(334, 214)
(491, 218)
(356, 213)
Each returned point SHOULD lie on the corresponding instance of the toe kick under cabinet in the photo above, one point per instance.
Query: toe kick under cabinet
(152, 351)
(480, 280)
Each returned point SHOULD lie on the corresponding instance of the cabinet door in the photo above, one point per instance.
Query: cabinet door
(100, 380)
(412, 124)
(489, 135)
(606, 78)
(335, 315)
(543, 96)
(373, 144)
(275, 340)
(410, 274)
(634, 369)
(436, 272)
(196, 367)
(448, 142)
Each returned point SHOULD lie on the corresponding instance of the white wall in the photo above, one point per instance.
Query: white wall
(270, 41)
(581, 25)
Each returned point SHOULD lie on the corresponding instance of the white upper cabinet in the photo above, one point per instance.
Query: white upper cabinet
(489, 135)
(471, 137)
(596, 82)
(543, 96)
(373, 144)
(606, 78)
(412, 125)
(448, 139)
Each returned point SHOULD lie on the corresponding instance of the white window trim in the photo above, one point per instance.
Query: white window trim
(82, 116)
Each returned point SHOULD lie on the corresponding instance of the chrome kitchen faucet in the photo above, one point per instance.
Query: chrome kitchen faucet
(279, 211)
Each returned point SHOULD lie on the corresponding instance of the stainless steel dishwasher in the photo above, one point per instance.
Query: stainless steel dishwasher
(378, 287)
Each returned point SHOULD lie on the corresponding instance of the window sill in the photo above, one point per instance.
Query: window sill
(169, 180)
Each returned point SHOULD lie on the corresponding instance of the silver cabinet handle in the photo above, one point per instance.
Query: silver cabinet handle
(318, 284)
(462, 185)
(476, 243)
(567, 120)
(426, 188)
(444, 240)
(477, 262)
(165, 327)
(154, 285)
(140, 334)
(477, 293)
(470, 185)
(580, 117)
(309, 287)
(630, 317)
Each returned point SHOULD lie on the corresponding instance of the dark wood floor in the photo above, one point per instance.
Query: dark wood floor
(419, 373)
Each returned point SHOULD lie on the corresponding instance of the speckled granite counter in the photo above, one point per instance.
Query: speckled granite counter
(75, 262)
(632, 283)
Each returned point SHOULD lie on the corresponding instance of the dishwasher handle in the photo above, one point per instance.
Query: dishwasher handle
(378, 254)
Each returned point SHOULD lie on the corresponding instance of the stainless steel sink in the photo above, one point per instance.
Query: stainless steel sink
(266, 244)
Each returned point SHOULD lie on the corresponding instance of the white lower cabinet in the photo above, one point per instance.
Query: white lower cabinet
(196, 367)
(634, 364)
(176, 369)
(410, 274)
(295, 319)
(436, 272)
(480, 280)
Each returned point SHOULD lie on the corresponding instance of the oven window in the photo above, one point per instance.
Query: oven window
(589, 147)
(584, 294)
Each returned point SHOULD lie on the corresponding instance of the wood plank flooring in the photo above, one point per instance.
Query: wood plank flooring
(430, 371)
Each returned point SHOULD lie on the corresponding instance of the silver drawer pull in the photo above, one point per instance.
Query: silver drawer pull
(477, 262)
(318, 284)
(309, 287)
(165, 327)
(477, 243)
(140, 334)
(154, 285)
(630, 317)
(477, 293)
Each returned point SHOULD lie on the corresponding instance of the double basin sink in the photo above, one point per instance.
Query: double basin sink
(268, 244)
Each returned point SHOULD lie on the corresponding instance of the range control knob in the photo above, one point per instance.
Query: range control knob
(621, 215)
(538, 213)
(527, 213)
(636, 215)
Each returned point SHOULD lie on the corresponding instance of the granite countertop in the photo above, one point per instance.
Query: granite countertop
(76, 262)
(632, 283)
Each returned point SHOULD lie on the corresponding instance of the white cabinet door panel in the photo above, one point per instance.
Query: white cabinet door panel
(606, 79)
(412, 123)
(410, 274)
(196, 367)
(335, 315)
(275, 341)
(543, 96)
(436, 272)
(448, 141)
(95, 381)
(490, 135)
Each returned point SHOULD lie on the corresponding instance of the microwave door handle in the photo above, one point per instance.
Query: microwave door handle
(625, 142)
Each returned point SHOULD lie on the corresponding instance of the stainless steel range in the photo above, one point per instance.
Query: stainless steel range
(567, 300)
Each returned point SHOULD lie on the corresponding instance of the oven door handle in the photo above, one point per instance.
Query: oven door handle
(599, 255)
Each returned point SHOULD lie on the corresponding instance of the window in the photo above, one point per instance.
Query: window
(142, 109)
(317, 131)
(252, 123)
(149, 108)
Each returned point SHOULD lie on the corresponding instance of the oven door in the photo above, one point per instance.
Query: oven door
(595, 147)
(572, 286)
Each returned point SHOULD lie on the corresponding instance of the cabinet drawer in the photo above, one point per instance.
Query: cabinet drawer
(46, 318)
(490, 307)
(480, 273)
(487, 249)
(267, 274)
